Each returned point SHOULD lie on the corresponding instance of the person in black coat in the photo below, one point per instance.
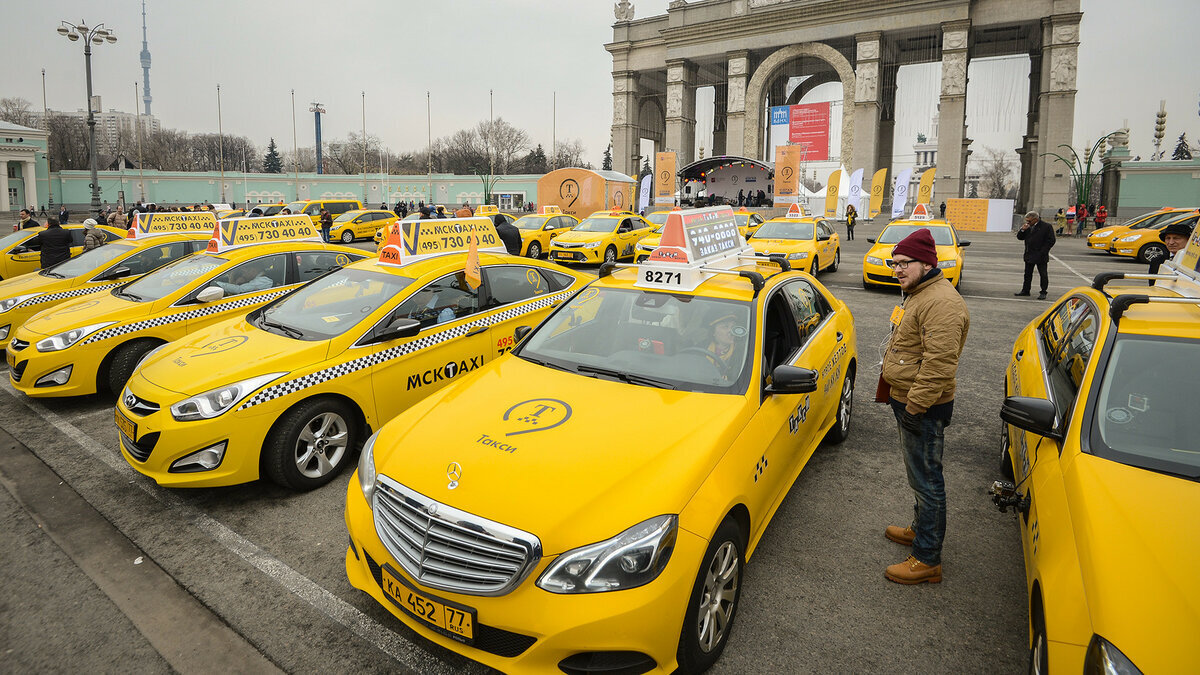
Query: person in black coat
(54, 242)
(509, 234)
(1038, 236)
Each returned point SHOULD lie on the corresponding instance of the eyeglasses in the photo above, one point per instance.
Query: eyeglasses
(900, 264)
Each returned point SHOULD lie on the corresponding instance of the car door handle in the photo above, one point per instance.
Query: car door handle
(475, 331)
(840, 336)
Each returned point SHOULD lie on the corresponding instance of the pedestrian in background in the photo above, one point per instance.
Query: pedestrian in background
(64, 216)
(27, 221)
(54, 243)
(464, 212)
(117, 219)
(851, 220)
(1081, 216)
(508, 233)
(1039, 239)
(920, 365)
(92, 237)
(326, 223)
(942, 210)
(1060, 223)
(1101, 216)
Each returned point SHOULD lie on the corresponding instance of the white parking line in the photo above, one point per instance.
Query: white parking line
(347, 615)
(975, 297)
(1059, 261)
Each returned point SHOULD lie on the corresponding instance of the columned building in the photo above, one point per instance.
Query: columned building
(754, 51)
(22, 165)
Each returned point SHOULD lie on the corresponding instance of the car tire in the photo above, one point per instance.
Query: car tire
(1039, 662)
(125, 360)
(1151, 252)
(347, 236)
(837, 260)
(841, 424)
(1006, 464)
(610, 254)
(535, 250)
(867, 285)
(702, 640)
(297, 454)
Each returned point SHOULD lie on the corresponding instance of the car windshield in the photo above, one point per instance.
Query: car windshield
(894, 234)
(294, 207)
(1185, 219)
(659, 218)
(597, 225)
(349, 215)
(783, 229)
(16, 237)
(652, 339)
(167, 279)
(530, 222)
(1156, 219)
(1145, 412)
(743, 219)
(89, 260)
(272, 209)
(331, 305)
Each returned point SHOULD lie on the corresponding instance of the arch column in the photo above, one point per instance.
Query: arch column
(952, 112)
(1056, 108)
(737, 72)
(681, 110)
(866, 104)
(625, 135)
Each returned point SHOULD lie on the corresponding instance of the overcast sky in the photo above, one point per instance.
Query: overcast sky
(524, 50)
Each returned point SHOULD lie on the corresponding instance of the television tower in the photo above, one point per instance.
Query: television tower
(145, 63)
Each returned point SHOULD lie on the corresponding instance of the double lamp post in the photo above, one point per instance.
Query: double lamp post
(90, 35)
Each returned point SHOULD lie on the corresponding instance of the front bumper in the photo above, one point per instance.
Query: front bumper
(532, 630)
(27, 365)
(577, 255)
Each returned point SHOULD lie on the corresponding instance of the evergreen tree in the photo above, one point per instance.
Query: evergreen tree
(607, 164)
(645, 167)
(1181, 148)
(272, 162)
(535, 161)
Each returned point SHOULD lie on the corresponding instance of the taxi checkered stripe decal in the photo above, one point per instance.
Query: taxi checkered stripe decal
(51, 297)
(182, 316)
(312, 379)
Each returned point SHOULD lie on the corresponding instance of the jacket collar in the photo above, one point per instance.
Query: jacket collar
(930, 277)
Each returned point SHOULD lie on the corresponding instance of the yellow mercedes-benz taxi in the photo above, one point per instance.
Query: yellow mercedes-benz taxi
(94, 343)
(509, 519)
(877, 270)
(808, 242)
(537, 231)
(20, 253)
(604, 236)
(1101, 455)
(1145, 243)
(1102, 238)
(290, 391)
(360, 224)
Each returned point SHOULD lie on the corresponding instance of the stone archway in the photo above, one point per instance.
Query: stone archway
(756, 88)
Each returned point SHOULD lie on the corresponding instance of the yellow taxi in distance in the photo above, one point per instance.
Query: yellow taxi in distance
(1102, 238)
(1101, 460)
(94, 343)
(604, 236)
(748, 222)
(877, 269)
(537, 231)
(20, 253)
(1145, 243)
(808, 242)
(100, 269)
(313, 207)
(229, 213)
(360, 224)
(290, 391)
(495, 520)
(650, 242)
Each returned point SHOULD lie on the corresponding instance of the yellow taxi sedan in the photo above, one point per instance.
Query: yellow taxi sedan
(1102, 238)
(1145, 244)
(360, 224)
(1101, 460)
(290, 391)
(809, 242)
(496, 520)
(537, 231)
(100, 269)
(94, 343)
(20, 253)
(650, 242)
(877, 269)
(604, 236)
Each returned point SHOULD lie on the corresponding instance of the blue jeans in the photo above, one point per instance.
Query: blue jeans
(923, 463)
(325, 233)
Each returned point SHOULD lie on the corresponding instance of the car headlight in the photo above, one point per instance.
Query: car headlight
(631, 559)
(1102, 658)
(8, 303)
(798, 256)
(1132, 237)
(210, 404)
(594, 244)
(947, 264)
(872, 260)
(1102, 233)
(68, 338)
(366, 468)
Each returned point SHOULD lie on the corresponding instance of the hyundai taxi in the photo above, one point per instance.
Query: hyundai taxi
(497, 520)
(1145, 244)
(604, 236)
(1102, 238)
(808, 242)
(154, 240)
(360, 224)
(537, 231)
(289, 391)
(1101, 455)
(877, 270)
(21, 254)
(94, 343)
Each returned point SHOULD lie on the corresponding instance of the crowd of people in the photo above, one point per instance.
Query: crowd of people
(1073, 221)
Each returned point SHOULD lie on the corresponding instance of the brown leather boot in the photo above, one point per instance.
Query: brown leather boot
(900, 535)
(913, 571)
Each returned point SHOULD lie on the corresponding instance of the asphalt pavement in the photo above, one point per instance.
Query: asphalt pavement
(259, 570)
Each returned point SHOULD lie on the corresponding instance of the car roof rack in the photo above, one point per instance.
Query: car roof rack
(1121, 303)
(757, 280)
(1104, 278)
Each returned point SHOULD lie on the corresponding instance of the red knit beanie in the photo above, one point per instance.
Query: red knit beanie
(918, 246)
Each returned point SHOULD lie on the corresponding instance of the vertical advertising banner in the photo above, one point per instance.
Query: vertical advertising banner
(900, 193)
(855, 193)
(878, 185)
(831, 193)
(925, 190)
(808, 127)
(664, 178)
(644, 193)
(787, 174)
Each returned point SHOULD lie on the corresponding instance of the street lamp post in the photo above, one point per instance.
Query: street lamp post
(98, 35)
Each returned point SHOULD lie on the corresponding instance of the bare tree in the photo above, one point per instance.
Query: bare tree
(68, 143)
(307, 160)
(17, 110)
(570, 153)
(504, 142)
(996, 173)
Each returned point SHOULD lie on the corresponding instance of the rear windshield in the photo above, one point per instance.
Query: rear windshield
(893, 234)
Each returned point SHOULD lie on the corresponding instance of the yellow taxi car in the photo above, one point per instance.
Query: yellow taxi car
(650, 242)
(877, 262)
(809, 243)
(1102, 238)
(1145, 244)
(94, 343)
(494, 520)
(20, 253)
(360, 224)
(100, 269)
(604, 236)
(1101, 460)
(229, 213)
(290, 391)
(537, 231)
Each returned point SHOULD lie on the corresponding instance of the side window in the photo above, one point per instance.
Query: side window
(313, 210)
(111, 236)
(255, 275)
(1065, 369)
(155, 257)
(513, 284)
(558, 280)
(77, 236)
(446, 299)
(312, 264)
(808, 306)
(779, 334)
(340, 207)
(1059, 323)
(625, 226)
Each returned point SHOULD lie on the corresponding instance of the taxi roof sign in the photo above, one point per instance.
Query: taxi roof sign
(412, 240)
(487, 210)
(161, 223)
(695, 245)
(796, 211)
(921, 212)
(551, 210)
(237, 232)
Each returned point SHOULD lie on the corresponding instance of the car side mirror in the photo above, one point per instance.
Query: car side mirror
(964, 244)
(1035, 415)
(823, 237)
(520, 333)
(787, 379)
(210, 294)
(400, 327)
(870, 241)
(115, 273)
(17, 250)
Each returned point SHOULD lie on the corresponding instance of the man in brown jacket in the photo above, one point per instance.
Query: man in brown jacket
(919, 368)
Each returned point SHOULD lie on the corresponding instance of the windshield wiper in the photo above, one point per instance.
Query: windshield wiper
(624, 377)
(544, 363)
(49, 273)
(127, 295)
(287, 330)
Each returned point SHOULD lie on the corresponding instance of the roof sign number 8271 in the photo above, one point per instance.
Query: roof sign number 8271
(660, 277)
